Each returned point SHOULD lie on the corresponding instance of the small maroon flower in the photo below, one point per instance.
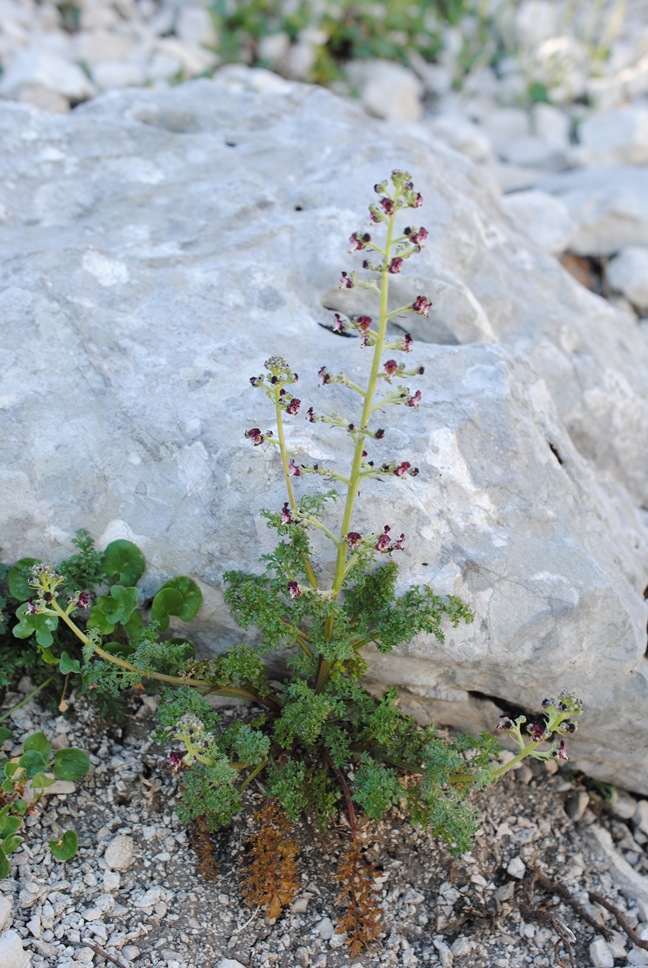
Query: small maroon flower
(286, 516)
(387, 206)
(176, 761)
(354, 540)
(256, 381)
(310, 415)
(359, 240)
(338, 324)
(569, 727)
(537, 732)
(419, 236)
(400, 544)
(31, 608)
(414, 400)
(83, 601)
(561, 752)
(375, 215)
(293, 589)
(255, 436)
(383, 542)
(402, 469)
(293, 406)
(416, 200)
(421, 305)
(363, 323)
(324, 374)
(408, 342)
(505, 723)
(346, 281)
(395, 265)
(379, 434)
(390, 368)
(293, 469)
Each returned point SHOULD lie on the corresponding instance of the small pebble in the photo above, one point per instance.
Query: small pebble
(120, 853)
(516, 868)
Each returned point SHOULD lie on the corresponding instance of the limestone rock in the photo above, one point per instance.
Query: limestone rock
(12, 953)
(158, 245)
(387, 90)
(543, 218)
(614, 138)
(120, 853)
(608, 204)
(33, 66)
(627, 272)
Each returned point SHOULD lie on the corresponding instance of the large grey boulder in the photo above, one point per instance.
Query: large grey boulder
(158, 246)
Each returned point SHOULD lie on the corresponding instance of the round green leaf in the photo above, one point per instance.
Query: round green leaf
(67, 664)
(5, 734)
(97, 620)
(32, 762)
(5, 866)
(123, 560)
(18, 577)
(70, 764)
(118, 606)
(65, 847)
(8, 826)
(38, 742)
(9, 844)
(179, 596)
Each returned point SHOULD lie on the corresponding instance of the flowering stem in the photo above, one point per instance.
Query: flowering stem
(255, 772)
(501, 770)
(356, 468)
(148, 673)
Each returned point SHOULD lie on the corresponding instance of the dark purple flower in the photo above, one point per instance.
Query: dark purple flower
(359, 240)
(363, 323)
(293, 406)
(416, 200)
(310, 415)
(293, 469)
(354, 540)
(407, 343)
(390, 368)
(387, 206)
(293, 589)
(569, 727)
(286, 516)
(338, 324)
(256, 381)
(83, 601)
(346, 281)
(402, 469)
(255, 436)
(414, 400)
(395, 265)
(505, 723)
(31, 608)
(537, 732)
(400, 544)
(176, 761)
(421, 305)
(561, 752)
(419, 236)
(383, 542)
(379, 434)
(324, 374)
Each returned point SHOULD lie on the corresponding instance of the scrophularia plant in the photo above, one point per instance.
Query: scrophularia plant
(316, 741)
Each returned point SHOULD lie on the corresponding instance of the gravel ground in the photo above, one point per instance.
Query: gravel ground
(133, 895)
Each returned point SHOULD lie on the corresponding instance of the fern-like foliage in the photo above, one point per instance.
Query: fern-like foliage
(271, 874)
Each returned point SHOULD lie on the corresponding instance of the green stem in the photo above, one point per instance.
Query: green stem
(29, 696)
(356, 468)
(501, 770)
(159, 676)
(255, 772)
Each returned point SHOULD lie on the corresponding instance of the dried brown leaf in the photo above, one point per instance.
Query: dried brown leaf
(362, 918)
(271, 875)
